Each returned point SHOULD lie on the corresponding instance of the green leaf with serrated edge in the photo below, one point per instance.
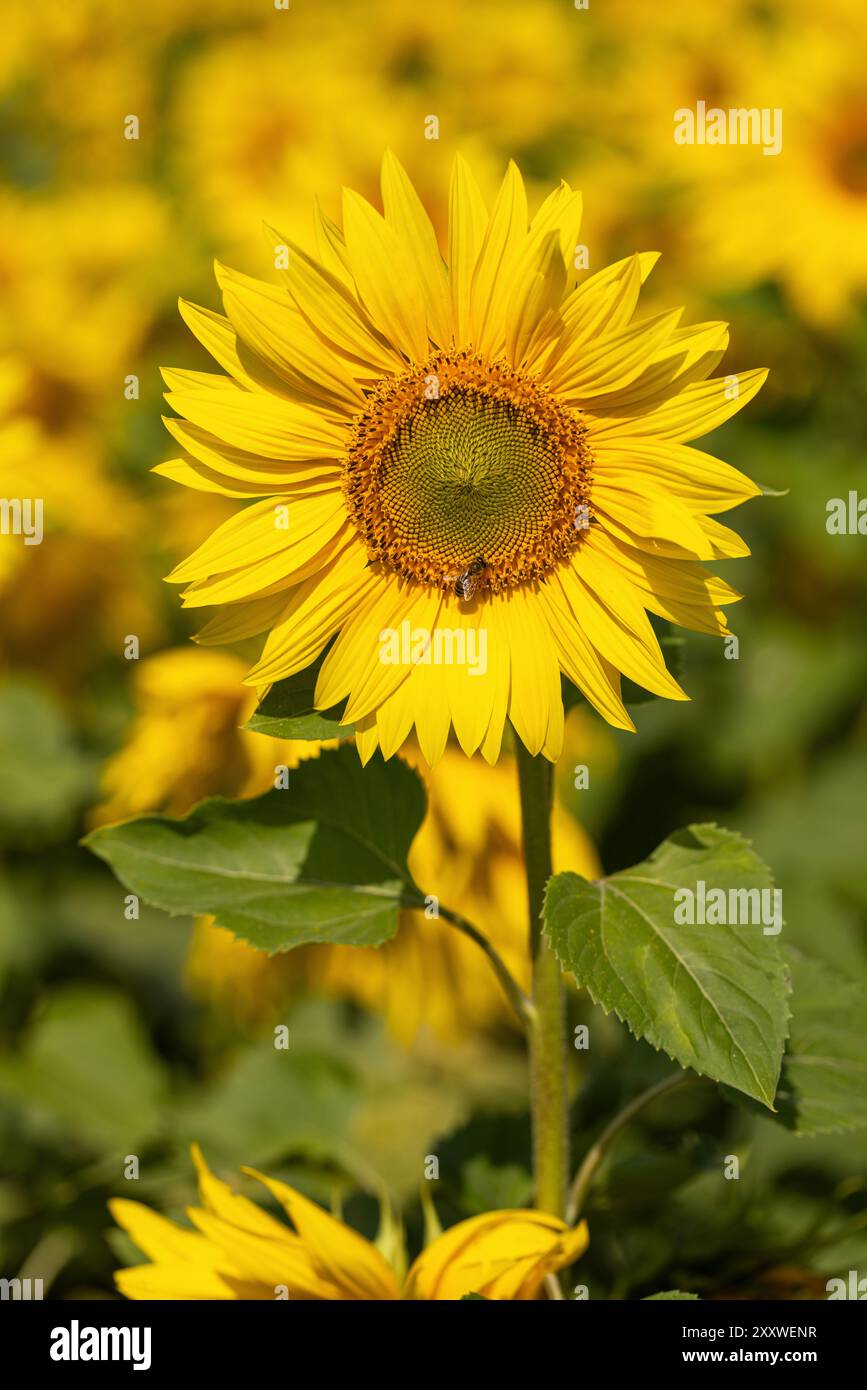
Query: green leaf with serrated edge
(672, 1296)
(288, 711)
(823, 1088)
(322, 861)
(713, 997)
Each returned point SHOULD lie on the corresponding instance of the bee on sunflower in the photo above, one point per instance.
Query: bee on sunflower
(472, 443)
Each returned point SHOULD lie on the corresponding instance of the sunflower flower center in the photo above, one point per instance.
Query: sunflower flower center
(468, 465)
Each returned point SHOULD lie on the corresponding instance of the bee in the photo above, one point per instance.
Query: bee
(465, 584)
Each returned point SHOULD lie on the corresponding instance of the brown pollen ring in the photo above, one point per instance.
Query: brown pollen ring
(462, 459)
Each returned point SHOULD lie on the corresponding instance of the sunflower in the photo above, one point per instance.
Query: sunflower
(237, 1250)
(489, 459)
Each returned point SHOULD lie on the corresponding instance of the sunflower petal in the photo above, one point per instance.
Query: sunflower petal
(385, 275)
(468, 219)
(700, 481)
(261, 424)
(277, 331)
(316, 609)
(642, 663)
(612, 362)
(691, 413)
(535, 296)
(404, 211)
(345, 1258)
(492, 277)
(335, 314)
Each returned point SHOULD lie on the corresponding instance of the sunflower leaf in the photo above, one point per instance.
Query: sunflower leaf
(288, 711)
(823, 1088)
(322, 861)
(713, 997)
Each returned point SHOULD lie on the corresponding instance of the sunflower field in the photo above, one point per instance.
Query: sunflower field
(433, 678)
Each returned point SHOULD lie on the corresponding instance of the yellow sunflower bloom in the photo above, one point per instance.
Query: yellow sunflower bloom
(239, 1251)
(502, 1255)
(480, 458)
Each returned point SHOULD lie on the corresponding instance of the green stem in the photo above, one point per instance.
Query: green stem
(520, 1002)
(548, 1098)
(594, 1156)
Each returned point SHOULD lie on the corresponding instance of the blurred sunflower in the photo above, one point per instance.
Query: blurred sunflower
(247, 142)
(78, 591)
(498, 67)
(484, 454)
(186, 743)
(800, 217)
(81, 273)
(797, 217)
(237, 1250)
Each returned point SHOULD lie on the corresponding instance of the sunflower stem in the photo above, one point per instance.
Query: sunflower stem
(595, 1154)
(548, 1094)
(521, 1003)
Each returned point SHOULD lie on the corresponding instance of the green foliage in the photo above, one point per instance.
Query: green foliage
(823, 1088)
(44, 777)
(337, 1095)
(271, 1103)
(489, 1186)
(714, 997)
(287, 710)
(322, 861)
(86, 1068)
